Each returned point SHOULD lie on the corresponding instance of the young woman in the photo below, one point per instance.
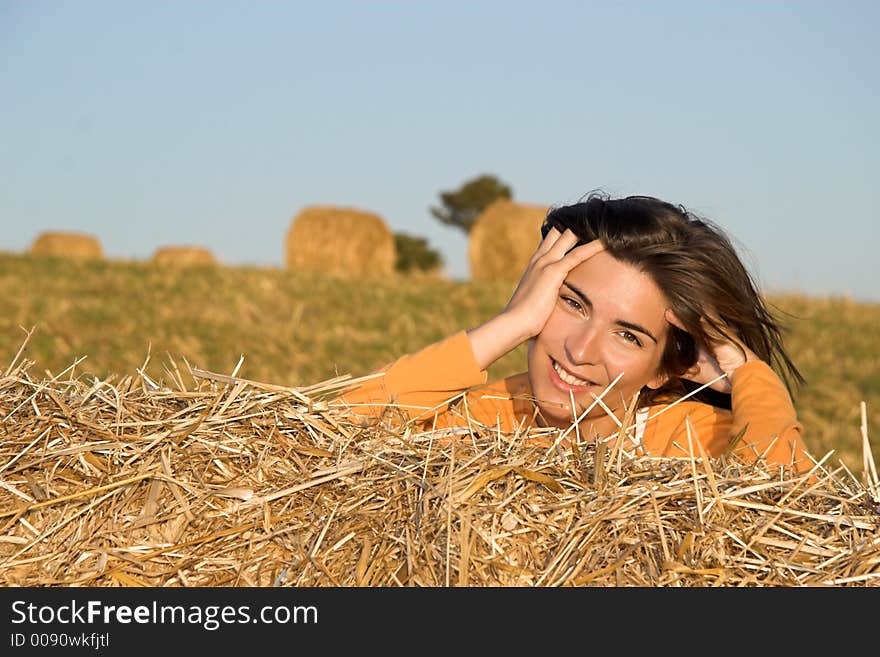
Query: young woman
(638, 316)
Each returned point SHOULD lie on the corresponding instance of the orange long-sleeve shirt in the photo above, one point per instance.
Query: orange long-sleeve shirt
(442, 386)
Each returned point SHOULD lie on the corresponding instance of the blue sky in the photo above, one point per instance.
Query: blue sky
(215, 123)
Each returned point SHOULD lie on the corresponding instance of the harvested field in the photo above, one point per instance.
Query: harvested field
(212, 480)
(69, 244)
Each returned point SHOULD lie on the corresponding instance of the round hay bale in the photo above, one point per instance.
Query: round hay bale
(340, 241)
(183, 255)
(67, 244)
(503, 238)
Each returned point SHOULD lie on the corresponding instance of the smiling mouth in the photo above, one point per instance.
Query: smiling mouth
(570, 379)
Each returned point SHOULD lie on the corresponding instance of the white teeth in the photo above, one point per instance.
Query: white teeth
(568, 378)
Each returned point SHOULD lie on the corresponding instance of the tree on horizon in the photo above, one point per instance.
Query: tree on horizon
(461, 207)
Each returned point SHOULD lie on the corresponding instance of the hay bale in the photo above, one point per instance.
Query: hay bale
(340, 241)
(67, 244)
(138, 486)
(503, 238)
(183, 256)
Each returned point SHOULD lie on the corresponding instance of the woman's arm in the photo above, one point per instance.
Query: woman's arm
(765, 423)
(417, 384)
(765, 418)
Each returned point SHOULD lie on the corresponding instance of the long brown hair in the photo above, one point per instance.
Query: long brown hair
(695, 265)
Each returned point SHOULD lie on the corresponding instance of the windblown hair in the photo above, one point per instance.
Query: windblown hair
(696, 267)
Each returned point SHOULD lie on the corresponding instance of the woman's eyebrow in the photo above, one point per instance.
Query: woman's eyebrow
(620, 322)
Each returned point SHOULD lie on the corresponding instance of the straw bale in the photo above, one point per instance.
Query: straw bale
(212, 480)
(69, 244)
(340, 241)
(503, 238)
(183, 256)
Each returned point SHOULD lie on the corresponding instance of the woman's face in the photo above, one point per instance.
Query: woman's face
(609, 319)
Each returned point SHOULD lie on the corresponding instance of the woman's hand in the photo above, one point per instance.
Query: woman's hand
(533, 299)
(722, 357)
(536, 293)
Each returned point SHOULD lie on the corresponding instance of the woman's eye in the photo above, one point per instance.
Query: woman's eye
(572, 303)
(631, 338)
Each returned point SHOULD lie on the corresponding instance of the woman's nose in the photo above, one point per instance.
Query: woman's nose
(584, 346)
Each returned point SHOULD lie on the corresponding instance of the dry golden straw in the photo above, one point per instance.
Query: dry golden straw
(339, 241)
(67, 244)
(503, 238)
(213, 480)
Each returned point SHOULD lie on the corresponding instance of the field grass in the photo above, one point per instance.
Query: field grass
(295, 329)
